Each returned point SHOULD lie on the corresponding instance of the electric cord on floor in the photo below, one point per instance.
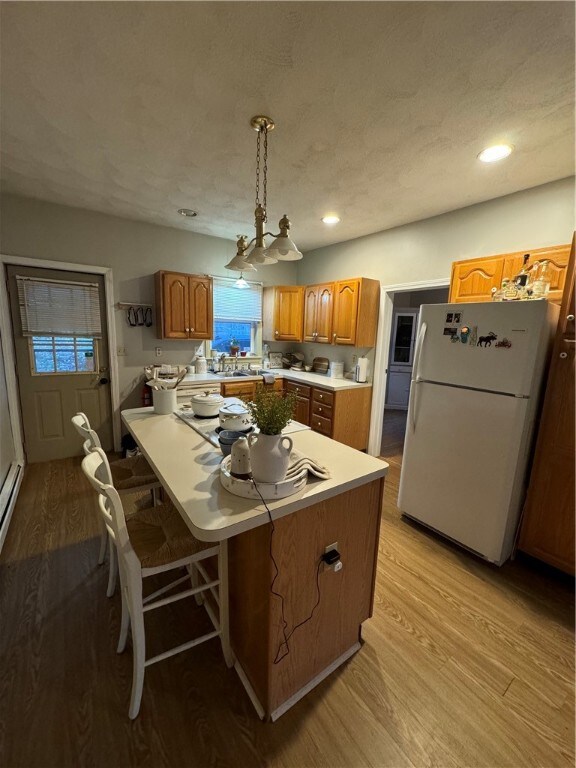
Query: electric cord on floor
(284, 648)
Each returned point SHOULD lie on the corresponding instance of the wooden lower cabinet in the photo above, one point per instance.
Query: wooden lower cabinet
(276, 671)
(342, 415)
(246, 390)
(473, 279)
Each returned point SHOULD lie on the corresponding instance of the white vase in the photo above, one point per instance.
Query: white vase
(269, 457)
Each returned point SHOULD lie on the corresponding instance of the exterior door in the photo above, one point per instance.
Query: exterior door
(548, 525)
(59, 376)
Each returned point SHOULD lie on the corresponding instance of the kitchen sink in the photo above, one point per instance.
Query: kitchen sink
(235, 374)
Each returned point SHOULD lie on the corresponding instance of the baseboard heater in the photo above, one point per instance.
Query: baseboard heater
(8, 496)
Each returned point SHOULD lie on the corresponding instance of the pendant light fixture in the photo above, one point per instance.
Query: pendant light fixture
(283, 247)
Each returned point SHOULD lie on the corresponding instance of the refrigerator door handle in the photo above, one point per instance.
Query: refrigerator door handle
(416, 376)
(418, 351)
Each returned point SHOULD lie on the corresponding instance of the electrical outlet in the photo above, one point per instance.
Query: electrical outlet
(121, 352)
(331, 546)
(158, 351)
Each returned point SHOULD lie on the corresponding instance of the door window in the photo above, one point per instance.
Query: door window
(403, 339)
(62, 354)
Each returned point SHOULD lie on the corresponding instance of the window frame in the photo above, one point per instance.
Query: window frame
(255, 352)
(32, 359)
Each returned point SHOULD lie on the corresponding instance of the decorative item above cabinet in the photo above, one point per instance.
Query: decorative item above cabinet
(183, 306)
(344, 312)
(473, 279)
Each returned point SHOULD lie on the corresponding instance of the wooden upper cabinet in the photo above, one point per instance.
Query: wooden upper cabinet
(183, 306)
(318, 309)
(201, 313)
(355, 318)
(288, 312)
(473, 279)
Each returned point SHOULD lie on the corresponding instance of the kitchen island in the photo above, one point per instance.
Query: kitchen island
(278, 661)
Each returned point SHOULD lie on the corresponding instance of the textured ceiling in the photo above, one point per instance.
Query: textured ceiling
(137, 109)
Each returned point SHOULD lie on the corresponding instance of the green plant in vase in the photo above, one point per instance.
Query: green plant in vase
(270, 412)
(270, 449)
(234, 347)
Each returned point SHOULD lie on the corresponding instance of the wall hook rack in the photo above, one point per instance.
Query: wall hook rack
(137, 313)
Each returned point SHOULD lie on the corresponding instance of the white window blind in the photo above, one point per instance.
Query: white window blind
(59, 308)
(240, 304)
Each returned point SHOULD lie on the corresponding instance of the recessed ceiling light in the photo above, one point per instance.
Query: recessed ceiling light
(187, 212)
(331, 218)
(497, 152)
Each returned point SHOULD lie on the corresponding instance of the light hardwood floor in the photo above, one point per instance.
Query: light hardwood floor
(463, 664)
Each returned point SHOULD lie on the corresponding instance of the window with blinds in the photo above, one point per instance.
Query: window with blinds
(59, 308)
(237, 316)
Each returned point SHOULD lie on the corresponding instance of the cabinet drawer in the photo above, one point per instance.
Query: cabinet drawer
(322, 425)
(302, 390)
(319, 409)
(323, 396)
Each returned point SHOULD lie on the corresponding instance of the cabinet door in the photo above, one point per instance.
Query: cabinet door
(302, 411)
(556, 256)
(288, 312)
(245, 390)
(547, 530)
(324, 313)
(345, 311)
(175, 305)
(473, 280)
(310, 312)
(200, 302)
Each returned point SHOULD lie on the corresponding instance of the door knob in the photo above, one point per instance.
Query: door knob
(103, 380)
(570, 318)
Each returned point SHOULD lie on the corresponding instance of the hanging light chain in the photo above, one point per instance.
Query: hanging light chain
(258, 169)
(262, 130)
(265, 178)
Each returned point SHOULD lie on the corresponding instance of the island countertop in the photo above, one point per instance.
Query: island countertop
(188, 468)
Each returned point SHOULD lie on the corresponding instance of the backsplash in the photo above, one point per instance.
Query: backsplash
(334, 353)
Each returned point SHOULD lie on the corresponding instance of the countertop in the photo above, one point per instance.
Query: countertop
(313, 379)
(188, 467)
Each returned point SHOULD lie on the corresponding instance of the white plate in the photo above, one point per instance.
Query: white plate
(269, 491)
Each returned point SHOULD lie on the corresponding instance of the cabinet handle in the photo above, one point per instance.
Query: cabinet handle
(319, 424)
(320, 397)
(187, 330)
(334, 335)
(570, 318)
(276, 333)
(319, 410)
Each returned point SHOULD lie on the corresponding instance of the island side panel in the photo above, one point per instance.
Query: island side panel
(352, 417)
(346, 598)
(249, 581)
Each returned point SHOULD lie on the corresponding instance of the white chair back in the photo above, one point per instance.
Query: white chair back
(82, 426)
(97, 469)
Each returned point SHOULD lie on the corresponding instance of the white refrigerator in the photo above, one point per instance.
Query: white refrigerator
(474, 396)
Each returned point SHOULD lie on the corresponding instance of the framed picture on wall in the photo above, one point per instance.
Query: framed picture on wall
(275, 359)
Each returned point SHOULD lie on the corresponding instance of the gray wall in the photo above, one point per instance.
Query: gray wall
(426, 249)
(135, 251)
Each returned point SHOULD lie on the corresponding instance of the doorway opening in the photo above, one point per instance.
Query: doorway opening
(405, 313)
